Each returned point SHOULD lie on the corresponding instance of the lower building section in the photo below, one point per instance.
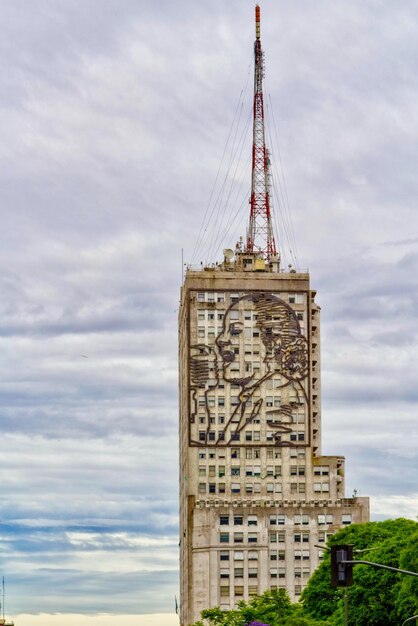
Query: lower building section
(240, 548)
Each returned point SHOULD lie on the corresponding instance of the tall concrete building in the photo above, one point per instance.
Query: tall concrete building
(256, 494)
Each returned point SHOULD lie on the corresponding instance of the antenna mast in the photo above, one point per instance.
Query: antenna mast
(260, 236)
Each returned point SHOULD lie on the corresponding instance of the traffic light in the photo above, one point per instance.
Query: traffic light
(341, 573)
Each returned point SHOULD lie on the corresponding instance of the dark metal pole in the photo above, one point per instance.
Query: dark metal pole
(379, 565)
(345, 607)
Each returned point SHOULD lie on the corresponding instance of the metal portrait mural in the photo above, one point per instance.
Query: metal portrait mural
(229, 387)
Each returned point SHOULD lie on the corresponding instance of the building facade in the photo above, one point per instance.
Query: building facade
(256, 495)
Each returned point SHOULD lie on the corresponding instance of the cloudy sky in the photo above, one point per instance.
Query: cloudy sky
(114, 117)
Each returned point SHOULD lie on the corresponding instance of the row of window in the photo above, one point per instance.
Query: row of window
(225, 519)
(237, 520)
(212, 296)
(257, 487)
(238, 537)
(274, 555)
(250, 453)
(248, 435)
(211, 316)
(249, 470)
(248, 488)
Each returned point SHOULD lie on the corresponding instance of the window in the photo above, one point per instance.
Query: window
(238, 537)
(221, 401)
(238, 572)
(239, 590)
(224, 555)
(202, 471)
(252, 537)
(252, 572)
(238, 556)
(202, 488)
(200, 297)
(202, 435)
(273, 572)
(238, 520)
(221, 487)
(221, 471)
(235, 488)
(235, 470)
(321, 470)
(212, 488)
(212, 470)
(234, 453)
(252, 590)
(224, 520)
(224, 572)
(252, 520)
(252, 555)
(224, 537)
(202, 455)
(346, 519)
(224, 590)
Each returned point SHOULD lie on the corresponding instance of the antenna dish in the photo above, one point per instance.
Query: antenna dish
(228, 253)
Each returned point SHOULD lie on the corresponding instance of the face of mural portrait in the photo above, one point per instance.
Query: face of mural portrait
(283, 348)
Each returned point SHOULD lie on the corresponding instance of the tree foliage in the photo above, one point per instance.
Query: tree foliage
(272, 608)
(377, 596)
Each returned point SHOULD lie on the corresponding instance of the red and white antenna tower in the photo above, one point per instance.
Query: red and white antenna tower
(260, 236)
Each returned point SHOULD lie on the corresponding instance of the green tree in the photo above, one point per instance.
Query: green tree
(272, 608)
(377, 596)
